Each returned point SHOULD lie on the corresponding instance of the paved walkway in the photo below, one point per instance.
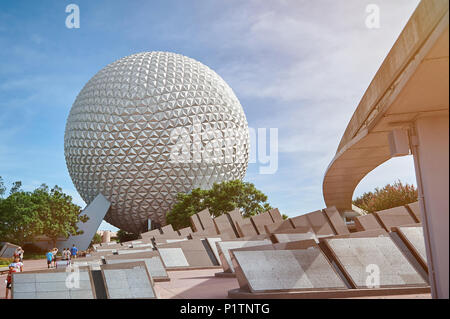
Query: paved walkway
(195, 284)
(189, 284)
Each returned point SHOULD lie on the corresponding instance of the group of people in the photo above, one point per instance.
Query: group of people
(17, 264)
(67, 254)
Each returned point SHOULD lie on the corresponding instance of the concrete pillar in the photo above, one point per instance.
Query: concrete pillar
(430, 147)
(96, 211)
(106, 237)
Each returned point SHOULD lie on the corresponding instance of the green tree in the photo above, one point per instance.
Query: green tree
(2, 188)
(15, 188)
(124, 236)
(186, 206)
(19, 218)
(221, 198)
(387, 197)
(226, 196)
(96, 240)
(25, 215)
(58, 215)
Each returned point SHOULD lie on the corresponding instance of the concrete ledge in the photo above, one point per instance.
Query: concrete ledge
(325, 294)
(223, 274)
(192, 268)
(160, 279)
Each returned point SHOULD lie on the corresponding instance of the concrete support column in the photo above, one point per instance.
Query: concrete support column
(106, 237)
(430, 147)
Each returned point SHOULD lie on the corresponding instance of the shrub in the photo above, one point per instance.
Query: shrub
(124, 236)
(387, 197)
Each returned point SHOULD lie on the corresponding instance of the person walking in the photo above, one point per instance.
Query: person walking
(15, 266)
(49, 256)
(74, 251)
(54, 252)
(66, 254)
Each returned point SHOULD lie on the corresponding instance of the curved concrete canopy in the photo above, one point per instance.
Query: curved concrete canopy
(412, 82)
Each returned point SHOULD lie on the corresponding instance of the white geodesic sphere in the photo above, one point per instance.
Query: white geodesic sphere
(149, 126)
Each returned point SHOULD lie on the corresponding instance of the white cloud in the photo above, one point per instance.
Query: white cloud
(314, 59)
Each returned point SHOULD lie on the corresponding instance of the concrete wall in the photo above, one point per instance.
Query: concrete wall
(431, 155)
(96, 211)
(106, 236)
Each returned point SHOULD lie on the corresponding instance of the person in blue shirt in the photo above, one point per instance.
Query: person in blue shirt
(49, 256)
(74, 251)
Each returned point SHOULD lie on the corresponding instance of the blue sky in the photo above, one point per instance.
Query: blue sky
(299, 66)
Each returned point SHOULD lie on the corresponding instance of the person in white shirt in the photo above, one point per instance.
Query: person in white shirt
(67, 253)
(19, 252)
(54, 252)
(16, 266)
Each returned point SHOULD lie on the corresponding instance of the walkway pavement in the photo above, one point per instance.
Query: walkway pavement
(195, 284)
(189, 284)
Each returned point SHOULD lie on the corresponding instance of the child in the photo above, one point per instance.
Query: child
(16, 266)
(49, 256)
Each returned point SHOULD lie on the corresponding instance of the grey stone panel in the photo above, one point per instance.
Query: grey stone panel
(24, 287)
(287, 270)
(276, 215)
(415, 210)
(173, 257)
(81, 294)
(224, 247)
(51, 285)
(24, 295)
(128, 283)
(25, 278)
(212, 244)
(355, 255)
(336, 220)
(154, 265)
(415, 236)
(396, 216)
(53, 295)
(367, 222)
